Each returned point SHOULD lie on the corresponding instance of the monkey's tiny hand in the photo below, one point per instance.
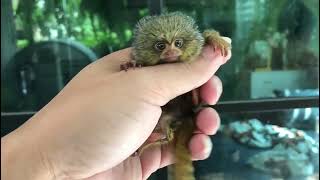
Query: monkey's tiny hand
(170, 134)
(129, 64)
(214, 39)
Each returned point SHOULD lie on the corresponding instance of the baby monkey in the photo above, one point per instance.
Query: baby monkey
(170, 38)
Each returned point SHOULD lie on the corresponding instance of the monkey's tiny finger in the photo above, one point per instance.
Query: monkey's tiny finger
(156, 136)
(226, 50)
(123, 67)
(133, 64)
(111, 63)
(222, 52)
(126, 66)
(219, 47)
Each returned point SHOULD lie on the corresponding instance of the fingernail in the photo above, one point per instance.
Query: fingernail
(217, 125)
(218, 84)
(208, 147)
(227, 39)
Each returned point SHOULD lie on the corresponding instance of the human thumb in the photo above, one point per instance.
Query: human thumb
(172, 80)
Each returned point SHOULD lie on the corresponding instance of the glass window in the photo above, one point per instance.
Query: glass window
(264, 145)
(47, 42)
(280, 144)
(275, 44)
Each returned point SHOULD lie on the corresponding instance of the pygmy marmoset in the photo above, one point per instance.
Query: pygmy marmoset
(169, 38)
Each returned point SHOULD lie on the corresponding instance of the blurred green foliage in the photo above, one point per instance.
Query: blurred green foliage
(102, 25)
(106, 26)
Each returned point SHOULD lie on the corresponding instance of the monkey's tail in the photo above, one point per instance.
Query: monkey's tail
(183, 168)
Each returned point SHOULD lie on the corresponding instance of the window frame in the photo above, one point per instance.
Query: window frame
(254, 105)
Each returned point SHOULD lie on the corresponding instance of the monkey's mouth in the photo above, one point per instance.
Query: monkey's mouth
(169, 59)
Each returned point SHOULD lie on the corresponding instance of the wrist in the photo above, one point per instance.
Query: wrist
(21, 159)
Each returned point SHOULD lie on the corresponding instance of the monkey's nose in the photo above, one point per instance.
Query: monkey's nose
(171, 53)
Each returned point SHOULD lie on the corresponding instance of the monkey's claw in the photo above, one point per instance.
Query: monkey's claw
(128, 65)
(170, 134)
(222, 45)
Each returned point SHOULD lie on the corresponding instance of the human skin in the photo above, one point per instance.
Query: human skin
(103, 115)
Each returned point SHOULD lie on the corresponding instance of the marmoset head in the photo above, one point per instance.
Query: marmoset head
(166, 38)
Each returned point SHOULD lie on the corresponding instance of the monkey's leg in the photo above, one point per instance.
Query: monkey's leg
(130, 64)
(214, 39)
(163, 127)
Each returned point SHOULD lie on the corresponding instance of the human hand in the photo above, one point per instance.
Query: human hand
(90, 129)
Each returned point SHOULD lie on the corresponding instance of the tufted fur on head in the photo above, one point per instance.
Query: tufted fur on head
(165, 27)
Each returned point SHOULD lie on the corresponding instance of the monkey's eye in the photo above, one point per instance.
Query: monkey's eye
(178, 43)
(160, 46)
